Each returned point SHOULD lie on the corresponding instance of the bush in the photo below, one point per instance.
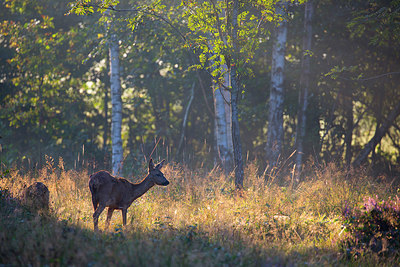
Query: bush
(374, 227)
(36, 196)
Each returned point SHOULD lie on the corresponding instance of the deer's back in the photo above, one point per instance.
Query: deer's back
(100, 179)
(111, 191)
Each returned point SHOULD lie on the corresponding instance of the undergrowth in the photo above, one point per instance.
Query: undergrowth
(198, 220)
(374, 227)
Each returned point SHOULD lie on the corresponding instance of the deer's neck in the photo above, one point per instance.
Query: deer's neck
(139, 189)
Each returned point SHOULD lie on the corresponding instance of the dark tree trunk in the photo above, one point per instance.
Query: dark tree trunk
(348, 109)
(304, 85)
(237, 146)
(184, 121)
(379, 134)
(379, 118)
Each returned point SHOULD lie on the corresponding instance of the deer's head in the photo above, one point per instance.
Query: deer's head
(155, 173)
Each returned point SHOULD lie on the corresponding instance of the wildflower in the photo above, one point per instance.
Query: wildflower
(346, 210)
(370, 204)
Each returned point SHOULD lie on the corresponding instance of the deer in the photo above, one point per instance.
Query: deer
(117, 193)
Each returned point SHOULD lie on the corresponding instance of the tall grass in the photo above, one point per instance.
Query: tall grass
(198, 219)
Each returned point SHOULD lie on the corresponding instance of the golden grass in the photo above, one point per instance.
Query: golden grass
(197, 220)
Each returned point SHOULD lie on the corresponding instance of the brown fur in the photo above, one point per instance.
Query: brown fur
(118, 193)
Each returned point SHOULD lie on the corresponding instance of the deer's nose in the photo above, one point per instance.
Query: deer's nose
(165, 183)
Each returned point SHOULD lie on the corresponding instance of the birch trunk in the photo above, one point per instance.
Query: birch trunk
(223, 124)
(223, 115)
(116, 120)
(304, 87)
(228, 117)
(275, 115)
(106, 127)
(220, 126)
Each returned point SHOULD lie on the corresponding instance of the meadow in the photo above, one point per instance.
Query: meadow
(197, 220)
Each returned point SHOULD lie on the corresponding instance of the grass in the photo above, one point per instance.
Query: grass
(198, 220)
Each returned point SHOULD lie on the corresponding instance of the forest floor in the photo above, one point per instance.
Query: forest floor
(198, 220)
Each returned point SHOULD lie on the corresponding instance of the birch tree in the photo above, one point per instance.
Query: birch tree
(223, 114)
(115, 84)
(276, 97)
(233, 41)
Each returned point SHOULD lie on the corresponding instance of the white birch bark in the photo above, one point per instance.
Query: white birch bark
(223, 116)
(223, 124)
(228, 114)
(116, 119)
(275, 115)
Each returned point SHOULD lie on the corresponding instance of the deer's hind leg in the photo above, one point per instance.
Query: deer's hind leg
(95, 202)
(109, 215)
(96, 215)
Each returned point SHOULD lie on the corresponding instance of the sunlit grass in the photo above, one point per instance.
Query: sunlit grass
(198, 219)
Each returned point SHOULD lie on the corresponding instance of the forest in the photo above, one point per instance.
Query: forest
(279, 123)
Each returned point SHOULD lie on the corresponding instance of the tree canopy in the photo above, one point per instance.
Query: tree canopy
(54, 85)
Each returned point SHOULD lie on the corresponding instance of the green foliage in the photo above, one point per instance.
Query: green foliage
(377, 20)
(54, 77)
(42, 108)
(85, 7)
(211, 34)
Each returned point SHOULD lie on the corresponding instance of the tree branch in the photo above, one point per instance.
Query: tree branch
(379, 134)
(370, 78)
(112, 8)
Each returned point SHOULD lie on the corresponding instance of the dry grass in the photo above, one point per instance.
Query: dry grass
(196, 220)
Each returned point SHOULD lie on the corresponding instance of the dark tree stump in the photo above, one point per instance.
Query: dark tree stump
(36, 196)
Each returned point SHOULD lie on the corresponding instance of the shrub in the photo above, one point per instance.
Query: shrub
(374, 227)
(36, 196)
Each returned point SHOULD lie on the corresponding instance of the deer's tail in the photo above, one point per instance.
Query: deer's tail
(93, 191)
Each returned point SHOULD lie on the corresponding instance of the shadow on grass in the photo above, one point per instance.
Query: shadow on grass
(38, 239)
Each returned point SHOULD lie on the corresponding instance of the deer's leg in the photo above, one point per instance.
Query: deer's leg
(96, 215)
(109, 215)
(95, 202)
(124, 211)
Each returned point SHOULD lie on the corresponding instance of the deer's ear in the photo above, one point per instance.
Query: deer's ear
(160, 165)
(151, 165)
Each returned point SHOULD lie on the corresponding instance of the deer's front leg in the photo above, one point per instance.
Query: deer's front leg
(124, 211)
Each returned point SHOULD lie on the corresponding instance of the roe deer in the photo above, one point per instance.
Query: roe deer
(118, 193)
